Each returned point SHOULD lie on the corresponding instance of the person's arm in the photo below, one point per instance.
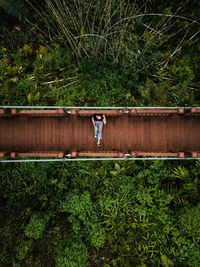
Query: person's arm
(104, 119)
(93, 120)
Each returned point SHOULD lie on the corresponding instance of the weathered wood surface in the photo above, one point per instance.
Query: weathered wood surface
(123, 133)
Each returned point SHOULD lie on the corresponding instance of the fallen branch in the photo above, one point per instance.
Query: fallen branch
(66, 85)
(55, 81)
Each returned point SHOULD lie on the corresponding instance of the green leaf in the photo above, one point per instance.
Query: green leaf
(15, 8)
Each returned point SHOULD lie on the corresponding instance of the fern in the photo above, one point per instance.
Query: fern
(15, 8)
(198, 163)
(189, 186)
(4, 61)
(43, 51)
(181, 173)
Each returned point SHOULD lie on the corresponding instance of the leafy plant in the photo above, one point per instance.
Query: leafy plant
(35, 227)
(181, 173)
(189, 186)
(74, 253)
(22, 249)
(15, 8)
(189, 224)
(83, 211)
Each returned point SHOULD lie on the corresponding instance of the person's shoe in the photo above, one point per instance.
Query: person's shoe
(98, 144)
(95, 137)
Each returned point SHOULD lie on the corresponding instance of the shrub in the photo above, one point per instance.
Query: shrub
(35, 228)
(74, 254)
(23, 249)
(83, 213)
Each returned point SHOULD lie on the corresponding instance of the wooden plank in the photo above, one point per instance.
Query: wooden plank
(174, 133)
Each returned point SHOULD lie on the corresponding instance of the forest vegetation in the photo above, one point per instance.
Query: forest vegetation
(100, 53)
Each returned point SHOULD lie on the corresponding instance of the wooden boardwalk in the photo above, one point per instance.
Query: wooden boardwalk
(124, 133)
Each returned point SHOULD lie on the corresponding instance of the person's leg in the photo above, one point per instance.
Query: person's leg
(100, 127)
(95, 130)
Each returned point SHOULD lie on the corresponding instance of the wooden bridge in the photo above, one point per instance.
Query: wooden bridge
(129, 132)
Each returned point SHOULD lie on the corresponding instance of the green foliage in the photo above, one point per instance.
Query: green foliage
(49, 60)
(36, 227)
(194, 256)
(23, 249)
(166, 262)
(127, 206)
(175, 81)
(91, 32)
(14, 8)
(82, 211)
(181, 172)
(94, 207)
(181, 71)
(74, 253)
(189, 186)
(95, 90)
(101, 213)
(189, 223)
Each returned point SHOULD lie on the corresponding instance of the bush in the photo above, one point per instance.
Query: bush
(23, 249)
(189, 222)
(83, 213)
(74, 254)
(35, 228)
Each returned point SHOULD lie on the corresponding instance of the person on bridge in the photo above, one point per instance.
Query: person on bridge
(98, 120)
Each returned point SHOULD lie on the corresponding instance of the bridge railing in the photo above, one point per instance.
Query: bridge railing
(88, 111)
(77, 107)
(87, 155)
(92, 159)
